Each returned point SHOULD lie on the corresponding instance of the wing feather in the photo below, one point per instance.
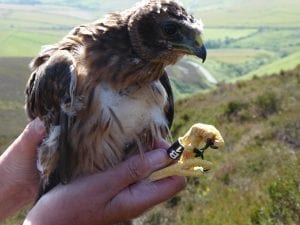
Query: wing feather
(50, 95)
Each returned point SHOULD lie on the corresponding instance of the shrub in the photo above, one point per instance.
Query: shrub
(234, 110)
(267, 104)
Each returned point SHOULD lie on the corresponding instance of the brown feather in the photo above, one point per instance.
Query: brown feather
(103, 92)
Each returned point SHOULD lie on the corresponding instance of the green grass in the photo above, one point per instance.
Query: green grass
(41, 16)
(277, 40)
(10, 105)
(24, 29)
(14, 73)
(256, 13)
(237, 56)
(265, 51)
(22, 43)
(223, 33)
(285, 63)
(255, 178)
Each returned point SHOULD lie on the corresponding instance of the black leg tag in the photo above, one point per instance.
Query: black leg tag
(175, 151)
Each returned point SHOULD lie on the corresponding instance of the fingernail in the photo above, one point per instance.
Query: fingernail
(157, 158)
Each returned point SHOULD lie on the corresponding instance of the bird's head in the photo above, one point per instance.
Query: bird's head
(162, 31)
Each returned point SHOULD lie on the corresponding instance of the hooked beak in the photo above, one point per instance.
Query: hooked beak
(199, 49)
(192, 46)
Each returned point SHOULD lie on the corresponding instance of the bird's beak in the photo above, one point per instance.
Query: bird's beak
(198, 48)
(192, 46)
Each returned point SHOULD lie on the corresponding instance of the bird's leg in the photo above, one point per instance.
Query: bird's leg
(187, 149)
(194, 167)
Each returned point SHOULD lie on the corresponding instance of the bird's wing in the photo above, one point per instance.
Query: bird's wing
(169, 108)
(48, 88)
(50, 95)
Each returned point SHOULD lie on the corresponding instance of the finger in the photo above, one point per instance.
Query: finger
(33, 134)
(136, 168)
(161, 143)
(142, 196)
(157, 191)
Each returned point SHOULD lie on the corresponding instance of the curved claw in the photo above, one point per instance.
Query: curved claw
(209, 143)
(199, 152)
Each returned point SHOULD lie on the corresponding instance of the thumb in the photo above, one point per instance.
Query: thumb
(20, 156)
(136, 168)
(33, 134)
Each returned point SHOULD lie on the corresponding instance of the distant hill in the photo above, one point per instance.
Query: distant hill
(237, 35)
(250, 13)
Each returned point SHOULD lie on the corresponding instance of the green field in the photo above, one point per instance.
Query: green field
(237, 55)
(24, 29)
(225, 33)
(286, 63)
(243, 13)
(22, 43)
(14, 73)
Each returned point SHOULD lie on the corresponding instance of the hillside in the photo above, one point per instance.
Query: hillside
(255, 179)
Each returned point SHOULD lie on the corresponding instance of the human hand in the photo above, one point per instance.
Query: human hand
(119, 194)
(18, 174)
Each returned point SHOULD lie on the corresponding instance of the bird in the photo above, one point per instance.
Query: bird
(103, 93)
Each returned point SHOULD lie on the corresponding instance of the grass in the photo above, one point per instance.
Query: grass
(277, 40)
(237, 56)
(24, 44)
(255, 178)
(223, 33)
(241, 58)
(14, 73)
(256, 13)
(24, 29)
(286, 63)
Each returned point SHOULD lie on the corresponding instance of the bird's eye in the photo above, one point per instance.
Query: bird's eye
(170, 28)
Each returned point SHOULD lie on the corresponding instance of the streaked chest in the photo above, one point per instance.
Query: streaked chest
(135, 108)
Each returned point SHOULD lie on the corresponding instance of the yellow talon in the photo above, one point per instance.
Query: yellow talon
(198, 134)
(189, 165)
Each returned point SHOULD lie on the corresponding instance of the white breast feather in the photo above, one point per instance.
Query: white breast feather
(138, 108)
